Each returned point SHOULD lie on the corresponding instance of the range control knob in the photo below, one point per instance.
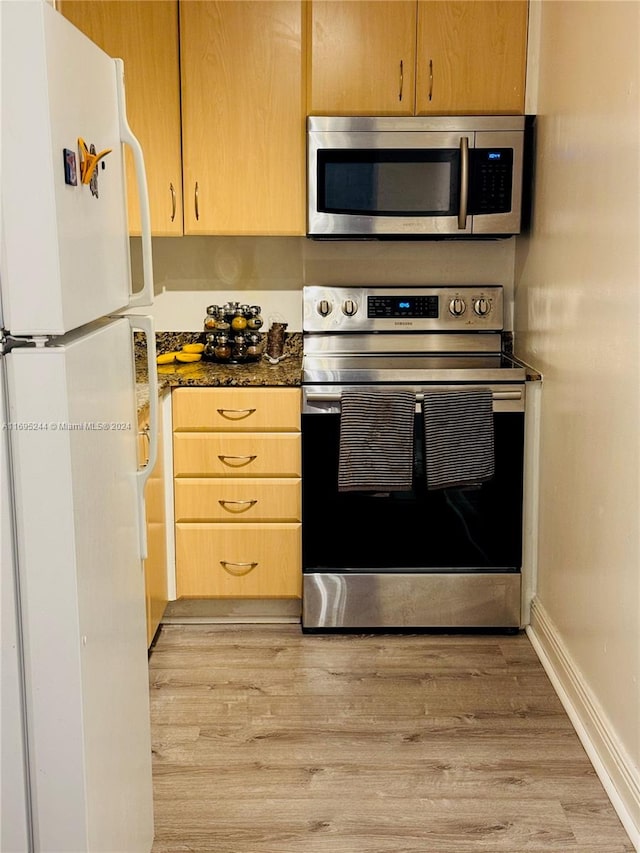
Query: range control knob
(482, 307)
(349, 307)
(324, 307)
(457, 307)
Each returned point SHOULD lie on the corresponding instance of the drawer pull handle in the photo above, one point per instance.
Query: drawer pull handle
(239, 460)
(237, 506)
(243, 568)
(240, 413)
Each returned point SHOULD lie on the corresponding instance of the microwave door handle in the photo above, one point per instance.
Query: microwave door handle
(464, 182)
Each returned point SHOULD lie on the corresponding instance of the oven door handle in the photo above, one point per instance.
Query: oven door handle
(336, 398)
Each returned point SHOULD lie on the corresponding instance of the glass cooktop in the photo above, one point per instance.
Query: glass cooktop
(411, 368)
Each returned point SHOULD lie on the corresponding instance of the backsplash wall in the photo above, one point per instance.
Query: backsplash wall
(193, 272)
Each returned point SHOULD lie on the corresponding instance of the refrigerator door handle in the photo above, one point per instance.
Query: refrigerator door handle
(145, 325)
(145, 296)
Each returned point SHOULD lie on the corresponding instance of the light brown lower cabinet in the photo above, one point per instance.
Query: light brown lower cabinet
(237, 492)
(238, 560)
(155, 566)
(231, 455)
(250, 499)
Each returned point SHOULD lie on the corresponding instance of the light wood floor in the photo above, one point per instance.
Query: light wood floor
(270, 741)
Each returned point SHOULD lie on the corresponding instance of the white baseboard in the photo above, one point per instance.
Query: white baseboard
(610, 760)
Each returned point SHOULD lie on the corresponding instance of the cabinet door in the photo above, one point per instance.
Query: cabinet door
(243, 120)
(144, 33)
(155, 566)
(362, 57)
(471, 57)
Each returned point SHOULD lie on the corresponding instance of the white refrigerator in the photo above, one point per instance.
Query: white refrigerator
(75, 749)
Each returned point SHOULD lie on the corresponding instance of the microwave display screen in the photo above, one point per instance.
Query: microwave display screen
(388, 182)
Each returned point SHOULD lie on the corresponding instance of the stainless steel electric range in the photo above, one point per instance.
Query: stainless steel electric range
(417, 558)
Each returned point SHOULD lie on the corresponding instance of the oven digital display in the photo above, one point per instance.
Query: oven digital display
(402, 306)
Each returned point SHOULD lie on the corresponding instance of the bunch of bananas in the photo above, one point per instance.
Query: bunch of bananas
(188, 353)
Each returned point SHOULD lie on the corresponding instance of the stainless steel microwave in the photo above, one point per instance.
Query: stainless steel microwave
(417, 177)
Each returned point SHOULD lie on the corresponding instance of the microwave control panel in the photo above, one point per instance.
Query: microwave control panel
(490, 180)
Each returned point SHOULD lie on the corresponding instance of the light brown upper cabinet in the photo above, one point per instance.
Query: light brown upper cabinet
(472, 57)
(144, 33)
(243, 117)
(407, 57)
(361, 57)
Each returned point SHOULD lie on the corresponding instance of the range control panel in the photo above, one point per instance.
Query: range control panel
(402, 306)
(421, 309)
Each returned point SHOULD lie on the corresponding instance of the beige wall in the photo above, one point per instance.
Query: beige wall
(193, 272)
(577, 296)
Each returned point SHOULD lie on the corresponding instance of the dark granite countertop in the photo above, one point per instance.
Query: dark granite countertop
(201, 374)
(254, 374)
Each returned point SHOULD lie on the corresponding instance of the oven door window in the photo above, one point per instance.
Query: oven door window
(458, 529)
(389, 182)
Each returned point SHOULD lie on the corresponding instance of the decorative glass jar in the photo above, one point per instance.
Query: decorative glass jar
(232, 334)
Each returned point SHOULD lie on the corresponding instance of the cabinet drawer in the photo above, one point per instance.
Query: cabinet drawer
(236, 409)
(243, 500)
(238, 561)
(232, 455)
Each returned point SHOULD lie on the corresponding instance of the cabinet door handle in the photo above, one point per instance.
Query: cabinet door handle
(431, 79)
(241, 460)
(244, 413)
(401, 80)
(145, 432)
(242, 568)
(242, 506)
(172, 190)
(195, 201)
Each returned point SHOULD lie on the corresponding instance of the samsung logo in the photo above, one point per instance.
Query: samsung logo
(403, 323)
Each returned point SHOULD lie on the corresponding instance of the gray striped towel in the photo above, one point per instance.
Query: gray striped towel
(376, 440)
(459, 443)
